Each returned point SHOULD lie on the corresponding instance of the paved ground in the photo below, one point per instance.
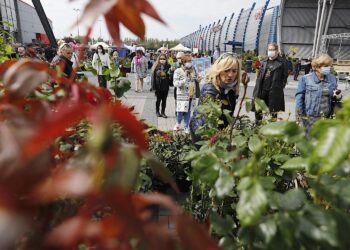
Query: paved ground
(144, 102)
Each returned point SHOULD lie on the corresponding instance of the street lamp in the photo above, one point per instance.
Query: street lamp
(77, 11)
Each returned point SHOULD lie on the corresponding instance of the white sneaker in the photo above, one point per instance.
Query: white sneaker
(176, 127)
(187, 130)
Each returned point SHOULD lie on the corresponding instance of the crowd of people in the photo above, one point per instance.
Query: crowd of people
(316, 94)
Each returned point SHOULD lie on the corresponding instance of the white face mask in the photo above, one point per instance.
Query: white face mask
(188, 65)
(162, 61)
(271, 53)
(99, 50)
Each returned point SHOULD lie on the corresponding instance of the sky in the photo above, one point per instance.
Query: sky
(182, 17)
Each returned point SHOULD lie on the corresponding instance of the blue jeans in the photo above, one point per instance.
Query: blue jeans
(186, 116)
(183, 116)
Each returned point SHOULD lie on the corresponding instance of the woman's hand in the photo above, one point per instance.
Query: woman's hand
(245, 78)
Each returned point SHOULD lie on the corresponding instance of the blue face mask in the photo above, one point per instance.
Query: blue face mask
(325, 71)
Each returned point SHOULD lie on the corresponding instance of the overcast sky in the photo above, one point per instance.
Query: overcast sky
(182, 16)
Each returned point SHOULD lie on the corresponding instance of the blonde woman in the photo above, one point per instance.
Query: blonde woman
(222, 84)
(313, 98)
(64, 59)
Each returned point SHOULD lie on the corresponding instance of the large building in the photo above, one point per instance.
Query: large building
(22, 22)
(298, 22)
(251, 29)
(292, 24)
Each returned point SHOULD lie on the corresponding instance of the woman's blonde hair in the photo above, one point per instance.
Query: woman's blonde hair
(64, 47)
(322, 60)
(186, 58)
(225, 62)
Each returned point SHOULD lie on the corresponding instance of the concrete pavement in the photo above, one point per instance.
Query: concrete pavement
(144, 103)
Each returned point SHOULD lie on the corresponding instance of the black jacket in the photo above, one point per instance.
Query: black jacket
(228, 102)
(160, 83)
(67, 66)
(279, 76)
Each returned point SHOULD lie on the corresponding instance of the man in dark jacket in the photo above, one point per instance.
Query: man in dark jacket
(271, 82)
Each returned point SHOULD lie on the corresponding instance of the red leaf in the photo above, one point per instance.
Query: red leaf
(194, 236)
(114, 30)
(133, 127)
(105, 94)
(129, 16)
(6, 65)
(145, 7)
(64, 183)
(53, 126)
(69, 233)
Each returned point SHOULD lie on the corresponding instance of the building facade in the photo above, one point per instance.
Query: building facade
(292, 25)
(8, 15)
(298, 25)
(22, 22)
(249, 29)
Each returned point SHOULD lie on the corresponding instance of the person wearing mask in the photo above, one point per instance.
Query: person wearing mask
(160, 80)
(308, 66)
(139, 65)
(271, 82)
(216, 53)
(248, 67)
(297, 68)
(101, 62)
(222, 84)
(313, 98)
(116, 59)
(185, 79)
(64, 61)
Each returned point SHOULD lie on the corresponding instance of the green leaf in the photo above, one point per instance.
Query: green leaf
(268, 230)
(205, 168)
(222, 226)
(295, 164)
(245, 183)
(319, 226)
(8, 49)
(289, 131)
(260, 105)
(240, 141)
(120, 87)
(160, 170)
(332, 148)
(268, 182)
(228, 116)
(255, 144)
(106, 72)
(224, 184)
(252, 204)
(248, 105)
(226, 243)
(342, 189)
(281, 158)
(292, 200)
